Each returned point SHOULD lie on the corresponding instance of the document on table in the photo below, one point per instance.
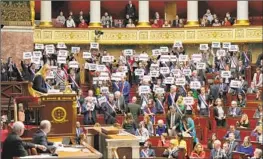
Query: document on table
(67, 149)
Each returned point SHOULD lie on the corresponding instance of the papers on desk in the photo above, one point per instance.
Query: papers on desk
(39, 156)
(67, 149)
(53, 91)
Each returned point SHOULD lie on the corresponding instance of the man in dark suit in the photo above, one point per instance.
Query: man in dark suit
(219, 90)
(240, 69)
(109, 109)
(40, 137)
(13, 146)
(172, 121)
(134, 109)
(130, 10)
(79, 131)
(217, 152)
(246, 57)
(234, 111)
(232, 129)
(203, 105)
(74, 80)
(120, 102)
(172, 96)
(232, 143)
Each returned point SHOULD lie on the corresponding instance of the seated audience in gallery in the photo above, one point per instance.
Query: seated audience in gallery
(246, 147)
(230, 19)
(81, 16)
(14, 146)
(176, 22)
(155, 24)
(163, 141)
(216, 23)
(198, 152)
(70, 23)
(204, 22)
(130, 10)
(61, 19)
(83, 24)
(181, 23)
(166, 24)
(106, 20)
(130, 24)
(209, 16)
(147, 151)
(226, 22)
(158, 19)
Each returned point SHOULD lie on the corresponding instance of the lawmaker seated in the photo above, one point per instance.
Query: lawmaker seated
(39, 83)
(217, 152)
(257, 132)
(40, 137)
(234, 111)
(70, 23)
(147, 151)
(259, 112)
(172, 151)
(142, 133)
(161, 128)
(232, 129)
(13, 145)
(244, 121)
(257, 154)
(246, 147)
(198, 152)
(241, 101)
(163, 142)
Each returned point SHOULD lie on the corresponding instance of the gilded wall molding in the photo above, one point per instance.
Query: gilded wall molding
(250, 34)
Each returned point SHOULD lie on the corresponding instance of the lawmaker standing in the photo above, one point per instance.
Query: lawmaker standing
(39, 82)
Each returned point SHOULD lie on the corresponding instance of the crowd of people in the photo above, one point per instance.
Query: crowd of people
(168, 83)
(131, 19)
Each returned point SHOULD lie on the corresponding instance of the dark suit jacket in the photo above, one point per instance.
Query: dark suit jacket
(216, 112)
(25, 72)
(77, 80)
(214, 153)
(121, 103)
(109, 113)
(41, 139)
(175, 23)
(130, 10)
(176, 121)
(13, 146)
(135, 110)
(159, 105)
(237, 135)
(233, 147)
(39, 84)
(238, 111)
(200, 100)
(170, 100)
(241, 71)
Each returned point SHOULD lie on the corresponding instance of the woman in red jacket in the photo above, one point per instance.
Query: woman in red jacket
(198, 152)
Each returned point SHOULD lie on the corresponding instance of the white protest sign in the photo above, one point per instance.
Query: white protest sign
(75, 50)
(61, 60)
(235, 84)
(233, 48)
(86, 55)
(143, 57)
(104, 76)
(54, 68)
(139, 72)
(169, 80)
(102, 99)
(173, 58)
(204, 47)
(61, 45)
(39, 46)
(183, 57)
(156, 52)
(124, 69)
(197, 57)
(178, 44)
(176, 72)
(73, 64)
(104, 89)
(50, 49)
(115, 77)
(154, 67)
(225, 74)
(95, 80)
(159, 90)
(107, 59)
(27, 55)
(147, 78)
(37, 54)
(187, 72)
(220, 53)
(154, 73)
(180, 81)
(226, 45)
(94, 45)
(101, 68)
(164, 70)
(86, 65)
(63, 53)
(164, 58)
(144, 90)
(216, 45)
(121, 74)
(201, 66)
(35, 60)
(128, 52)
(188, 100)
(195, 85)
(92, 66)
(164, 49)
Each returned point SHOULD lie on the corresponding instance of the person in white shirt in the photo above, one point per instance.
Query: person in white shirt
(142, 133)
(61, 18)
(258, 78)
(209, 16)
(70, 23)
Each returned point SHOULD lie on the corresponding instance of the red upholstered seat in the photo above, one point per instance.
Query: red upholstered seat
(251, 96)
(220, 133)
(207, 153)
(154, 140)
(119, 119)
(250, 112)
(160, 117)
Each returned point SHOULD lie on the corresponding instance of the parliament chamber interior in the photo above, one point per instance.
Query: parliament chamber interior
(131, 79)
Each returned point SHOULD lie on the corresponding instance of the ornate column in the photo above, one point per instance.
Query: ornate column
(95, 13)
(45, 14)
(192, 14)
(143, 14)
(242, 13)
(32, 11)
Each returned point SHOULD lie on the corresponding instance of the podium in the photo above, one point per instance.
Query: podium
(61, 110)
